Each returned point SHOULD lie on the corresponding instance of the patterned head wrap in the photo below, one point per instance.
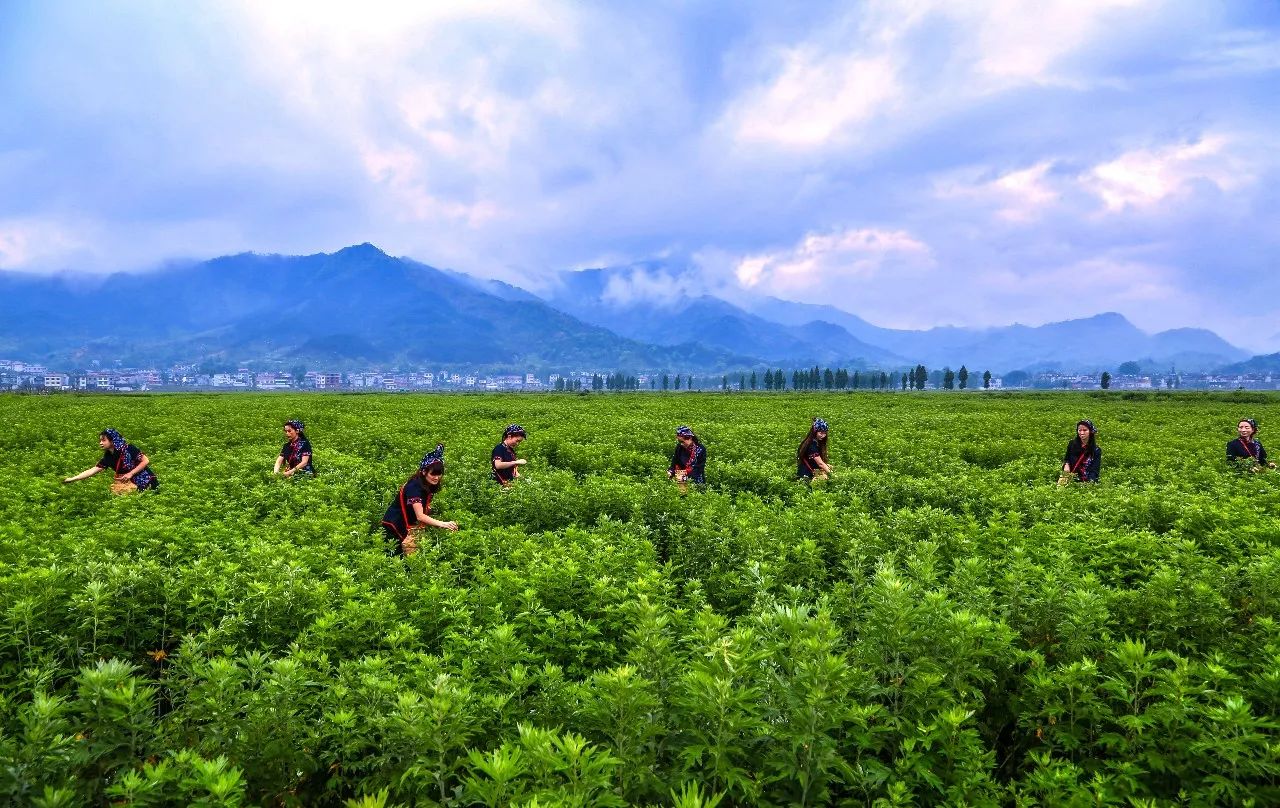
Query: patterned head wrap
(298, 426)
(684, 432)
(1092, 429)
(513, 429)
(820, 425)
(1251, 423)
(432, 457)
(117, 440)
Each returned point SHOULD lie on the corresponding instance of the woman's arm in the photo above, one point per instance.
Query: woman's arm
(84, 475)
(143, 462)
(824, 465)
(302, 464)
(506, 464)
(425, 519)
(279, 463)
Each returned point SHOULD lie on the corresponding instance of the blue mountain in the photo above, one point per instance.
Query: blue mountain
(360, 307)
(356, 307)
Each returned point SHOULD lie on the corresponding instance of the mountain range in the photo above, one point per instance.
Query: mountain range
(360, 307)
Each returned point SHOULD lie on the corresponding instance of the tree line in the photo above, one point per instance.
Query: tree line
(815, 378)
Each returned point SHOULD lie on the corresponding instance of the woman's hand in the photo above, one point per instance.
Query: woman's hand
(521, 461)
(449, 525)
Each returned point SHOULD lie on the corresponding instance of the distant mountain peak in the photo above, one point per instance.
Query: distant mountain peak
(1109, 316)
(363, 250)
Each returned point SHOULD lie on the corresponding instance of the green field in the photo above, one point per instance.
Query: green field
(940, 623)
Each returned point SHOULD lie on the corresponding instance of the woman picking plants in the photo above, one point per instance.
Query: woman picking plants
(1247, 448)
(410, 511)
(1083, 460)
(131, 466)
(811, 457)
(504, 460)
(689, 461)
(295, 456)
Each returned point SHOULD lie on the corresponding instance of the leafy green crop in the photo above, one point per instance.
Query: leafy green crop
(937, 624)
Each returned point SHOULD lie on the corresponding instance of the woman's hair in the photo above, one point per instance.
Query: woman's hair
(812, 437)
(686, 432)
(433, 468)
(1093, 434)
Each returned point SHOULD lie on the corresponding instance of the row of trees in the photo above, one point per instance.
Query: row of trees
(815, 378)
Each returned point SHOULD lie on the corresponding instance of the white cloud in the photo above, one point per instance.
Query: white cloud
(1017, 196)
(822, 257)
(1143, 178)
(868, 70)
(1017, 42)
(641, 285)
(28, 243)
(816, 98)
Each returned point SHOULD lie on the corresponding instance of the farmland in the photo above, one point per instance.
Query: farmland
(939, 623)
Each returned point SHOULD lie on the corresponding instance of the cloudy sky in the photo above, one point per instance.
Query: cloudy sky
(970, 162)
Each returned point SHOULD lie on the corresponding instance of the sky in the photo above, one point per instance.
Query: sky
(915, 162)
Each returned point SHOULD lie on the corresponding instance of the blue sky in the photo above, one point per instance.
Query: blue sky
(917, 163)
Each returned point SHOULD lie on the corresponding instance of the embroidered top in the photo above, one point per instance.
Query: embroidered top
(294, 451)
(692, 460)
(400, 516)
(124, 460)
(1084, 464)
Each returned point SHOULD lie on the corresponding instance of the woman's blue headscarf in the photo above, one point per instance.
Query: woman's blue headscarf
(117, 440)
(432, 457)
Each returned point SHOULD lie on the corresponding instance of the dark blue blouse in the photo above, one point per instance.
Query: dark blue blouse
(1239, 450)
(506, 454)
(293, 452)
(126, 461)
(692, 460)
(1085, 465)
(399, 516)
(807, 464)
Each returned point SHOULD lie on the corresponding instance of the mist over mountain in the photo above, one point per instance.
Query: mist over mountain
(360, 307)
(662, 317)
(355, 307)
(1265, 363)
(644, 301)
